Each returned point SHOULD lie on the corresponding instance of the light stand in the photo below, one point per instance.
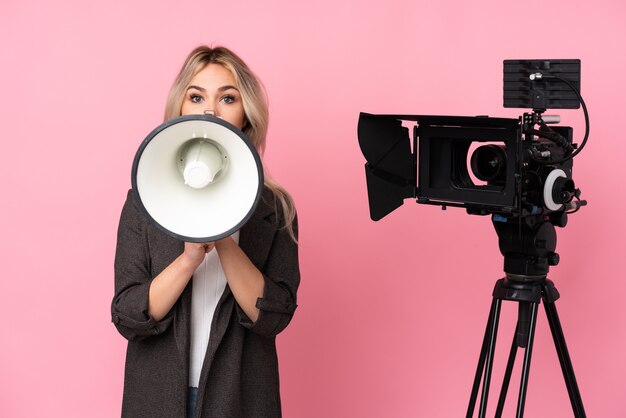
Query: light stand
(528, 247)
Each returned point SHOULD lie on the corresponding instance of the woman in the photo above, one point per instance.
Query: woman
(206, 347)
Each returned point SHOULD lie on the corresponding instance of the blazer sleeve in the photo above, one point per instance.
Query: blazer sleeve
(282, 278)
(129, 309)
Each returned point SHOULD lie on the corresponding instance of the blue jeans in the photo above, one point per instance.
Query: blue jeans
(192, 396)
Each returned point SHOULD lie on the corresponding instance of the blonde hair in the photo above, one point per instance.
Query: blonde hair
(255, 109)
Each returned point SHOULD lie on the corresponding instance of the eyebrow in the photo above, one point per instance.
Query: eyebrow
(202, 89)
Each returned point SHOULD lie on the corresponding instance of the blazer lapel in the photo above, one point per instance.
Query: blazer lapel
(255, 237)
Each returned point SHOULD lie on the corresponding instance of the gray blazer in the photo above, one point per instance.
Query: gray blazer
(239, 376)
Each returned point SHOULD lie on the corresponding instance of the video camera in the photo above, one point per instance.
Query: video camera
(510, 168)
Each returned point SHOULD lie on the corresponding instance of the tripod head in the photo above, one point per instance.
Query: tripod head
(528, 244)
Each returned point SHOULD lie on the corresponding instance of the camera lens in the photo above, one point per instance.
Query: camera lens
(489, 163)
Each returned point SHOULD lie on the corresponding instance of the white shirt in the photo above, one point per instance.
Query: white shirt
(209, 282)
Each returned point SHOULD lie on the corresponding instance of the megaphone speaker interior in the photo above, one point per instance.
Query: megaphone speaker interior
(197, 178)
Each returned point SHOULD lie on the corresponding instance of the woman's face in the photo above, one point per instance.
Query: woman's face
(214, 90)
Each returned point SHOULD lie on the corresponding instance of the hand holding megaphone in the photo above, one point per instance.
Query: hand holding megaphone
(195, 252)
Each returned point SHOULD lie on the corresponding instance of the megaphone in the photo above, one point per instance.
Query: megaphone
(197, 178)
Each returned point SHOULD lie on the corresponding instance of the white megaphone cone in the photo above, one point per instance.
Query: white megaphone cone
(197, 178)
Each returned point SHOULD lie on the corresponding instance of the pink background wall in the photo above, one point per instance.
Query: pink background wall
(392, 313)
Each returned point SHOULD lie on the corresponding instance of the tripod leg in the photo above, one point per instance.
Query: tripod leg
(493, 333)
(564, 359)
(487, 348)
(520, 339)
(527, 355)
(481, 362)
(507, 376)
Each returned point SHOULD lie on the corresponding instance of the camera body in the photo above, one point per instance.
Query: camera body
(486, 165)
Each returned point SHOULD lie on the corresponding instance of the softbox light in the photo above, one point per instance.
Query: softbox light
(197, 178)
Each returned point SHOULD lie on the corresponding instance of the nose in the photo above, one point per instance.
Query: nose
(209, 112)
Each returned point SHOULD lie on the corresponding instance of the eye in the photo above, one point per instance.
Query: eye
(195, 98)
(228, 99)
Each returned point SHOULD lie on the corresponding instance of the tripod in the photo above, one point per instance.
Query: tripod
(528, 248)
